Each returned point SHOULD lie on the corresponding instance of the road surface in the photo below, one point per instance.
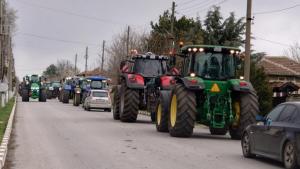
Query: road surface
(53, 135)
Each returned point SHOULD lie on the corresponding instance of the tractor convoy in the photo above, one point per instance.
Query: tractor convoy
(204, 90)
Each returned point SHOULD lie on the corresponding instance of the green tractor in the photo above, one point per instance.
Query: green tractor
(208, 92)
(33, 88)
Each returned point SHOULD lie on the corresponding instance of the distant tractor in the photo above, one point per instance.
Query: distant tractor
(142, 79)
(66, 90)
(208, 92)
(32, 87)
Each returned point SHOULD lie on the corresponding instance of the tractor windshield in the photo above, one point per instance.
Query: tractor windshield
(55, 84)
(150, 67)
(215, 66)
(34, 78)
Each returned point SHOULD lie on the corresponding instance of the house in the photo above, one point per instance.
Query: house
(284, 77)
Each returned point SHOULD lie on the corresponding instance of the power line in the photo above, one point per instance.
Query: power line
(69, 13)
(185, 3)
(55, 39)
(271, 41)
(204, 8)
(197, 5)
(277, 10)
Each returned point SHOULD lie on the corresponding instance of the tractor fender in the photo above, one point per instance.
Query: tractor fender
(192, 83)
(241, 86)
(167, 82)
(134, 81)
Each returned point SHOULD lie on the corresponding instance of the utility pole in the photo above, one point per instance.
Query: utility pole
(102, 60)
(127, 41)
(172, 37)
(248, 41)
(86, 59)
(76, 63)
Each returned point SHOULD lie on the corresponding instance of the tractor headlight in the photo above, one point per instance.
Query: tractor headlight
(193, 75)
(242, 77)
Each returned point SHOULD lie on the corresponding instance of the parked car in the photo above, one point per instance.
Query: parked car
(275, 136)
(97, 99)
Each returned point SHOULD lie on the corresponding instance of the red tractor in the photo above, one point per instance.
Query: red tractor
(142, 81)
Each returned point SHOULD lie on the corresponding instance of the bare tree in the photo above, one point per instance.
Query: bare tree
(65, 68)
(117, 51)
(293, 52)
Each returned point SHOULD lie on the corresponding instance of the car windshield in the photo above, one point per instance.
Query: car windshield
(214, 65)
(149, 68)
(100, 94)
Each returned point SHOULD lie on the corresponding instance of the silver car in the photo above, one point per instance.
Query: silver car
(97, 99)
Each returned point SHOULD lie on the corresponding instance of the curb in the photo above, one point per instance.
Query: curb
(6, 137)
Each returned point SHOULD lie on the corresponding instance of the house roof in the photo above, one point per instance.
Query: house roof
(280, 66)
(284, 86)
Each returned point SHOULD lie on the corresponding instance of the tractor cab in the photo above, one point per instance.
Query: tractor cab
(211, 62)
(96, 82)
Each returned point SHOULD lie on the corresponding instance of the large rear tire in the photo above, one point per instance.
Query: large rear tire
(129, 104)
(116, 104)
(182, 112)
(76, 99)
(65, 96)
(25, 95)
(248, 108)
(43, 95)
(162, 111)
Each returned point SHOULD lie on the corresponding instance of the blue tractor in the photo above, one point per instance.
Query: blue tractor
(66, 90)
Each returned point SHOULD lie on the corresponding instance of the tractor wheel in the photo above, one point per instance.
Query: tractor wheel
(182, 112)
(49, 94)
(153, 116)
(162, 111)
(247, 107)
(42, 95)
(25, 95)
(65, 96)
(116, 104)
(129, 104)
(76, 99)
(218, 131)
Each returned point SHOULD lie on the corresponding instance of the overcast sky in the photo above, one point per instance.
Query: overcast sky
(48, 30)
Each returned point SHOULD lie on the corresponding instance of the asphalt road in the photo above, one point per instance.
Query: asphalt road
(53, 135)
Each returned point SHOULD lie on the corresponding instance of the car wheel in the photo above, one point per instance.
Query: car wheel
(246, 144)
(289, 156)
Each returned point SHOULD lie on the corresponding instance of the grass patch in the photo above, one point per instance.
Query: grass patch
(4, 116)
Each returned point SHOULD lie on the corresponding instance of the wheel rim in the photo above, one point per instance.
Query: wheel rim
(246, 144)
(289, 157)
(158, 114)
(173, 114)
(237, 110)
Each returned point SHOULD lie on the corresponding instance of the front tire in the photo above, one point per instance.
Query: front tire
(248, 109)
(246, 146)
(65, 96)
(290, 156)
(76, 99)
(162, 111)
(182, 112)
(116, 105)
(25, 95)
(129, 104)
(43, 95)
